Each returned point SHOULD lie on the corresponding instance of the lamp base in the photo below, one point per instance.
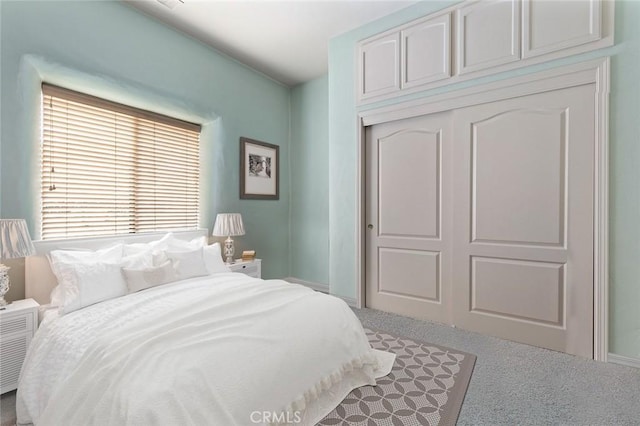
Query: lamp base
(4, 284)
(229, 251)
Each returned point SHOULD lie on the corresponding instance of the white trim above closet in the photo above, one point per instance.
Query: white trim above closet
(478, 38)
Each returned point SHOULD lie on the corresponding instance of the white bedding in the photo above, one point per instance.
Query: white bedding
(217, 350)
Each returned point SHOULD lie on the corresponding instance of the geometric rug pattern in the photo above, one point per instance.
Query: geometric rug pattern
(425, 387)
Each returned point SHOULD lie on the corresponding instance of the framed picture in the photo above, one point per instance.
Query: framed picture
(259, 170)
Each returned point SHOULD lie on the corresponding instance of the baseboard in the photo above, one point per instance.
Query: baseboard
(323, 288)
(623, 360)
(349, 300)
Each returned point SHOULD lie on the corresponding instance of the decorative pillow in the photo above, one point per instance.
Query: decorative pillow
(188, 264)
(140, 279)
(159, 257)
(213, 259)
(141, 260)
(85, 284)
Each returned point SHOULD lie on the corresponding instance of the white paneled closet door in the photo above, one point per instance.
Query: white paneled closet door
(523, 225)
(408, 240)
(482, 217)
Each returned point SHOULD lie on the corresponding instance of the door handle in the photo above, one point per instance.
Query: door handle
(370, 226)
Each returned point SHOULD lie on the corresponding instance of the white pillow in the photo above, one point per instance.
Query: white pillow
(159, 258)
(87, 283)
(57, 296)
(141, 260)
(62, 260)
(188, 264)
(181, 245)
(140, 279)
(111, 254)
(167, 242)
(156, 245)
(213, 259)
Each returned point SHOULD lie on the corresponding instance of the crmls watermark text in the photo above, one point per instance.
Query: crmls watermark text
(273, 417)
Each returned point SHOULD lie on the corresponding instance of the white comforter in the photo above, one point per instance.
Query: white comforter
(222, 350)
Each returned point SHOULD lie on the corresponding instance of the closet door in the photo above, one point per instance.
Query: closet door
(408, 216)
(523, 225)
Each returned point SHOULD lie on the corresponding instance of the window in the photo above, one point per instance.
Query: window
(112, 169)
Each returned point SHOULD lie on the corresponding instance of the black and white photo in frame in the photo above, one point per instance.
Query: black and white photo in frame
(259, 171)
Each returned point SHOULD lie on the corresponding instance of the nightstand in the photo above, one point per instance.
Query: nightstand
(253, 268)
(18, 324)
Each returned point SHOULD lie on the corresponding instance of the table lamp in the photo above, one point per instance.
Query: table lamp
(228, 225)
(14, 242)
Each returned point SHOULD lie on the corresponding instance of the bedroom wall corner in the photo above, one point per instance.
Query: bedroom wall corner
(310, 181)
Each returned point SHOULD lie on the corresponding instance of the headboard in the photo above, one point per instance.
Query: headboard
(39, 279)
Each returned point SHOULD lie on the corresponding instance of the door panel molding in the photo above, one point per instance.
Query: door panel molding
(479, 48)
(508, 193)
(391, 193)
(593, 71)
(534, 305)
(428, 269)
(537, 14)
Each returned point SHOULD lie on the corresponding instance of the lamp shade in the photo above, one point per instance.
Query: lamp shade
(15, 240)
(228, 225)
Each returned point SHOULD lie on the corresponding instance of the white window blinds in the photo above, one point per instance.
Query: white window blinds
(112, 169)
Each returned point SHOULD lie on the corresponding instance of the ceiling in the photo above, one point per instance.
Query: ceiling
(286, 40)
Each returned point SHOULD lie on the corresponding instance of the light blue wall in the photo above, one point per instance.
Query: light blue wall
(106, 47)
(310, 181)
(625, 157)
(624, 132)
(0, 107)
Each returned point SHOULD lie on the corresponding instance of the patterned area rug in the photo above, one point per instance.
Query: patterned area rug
(425, 387)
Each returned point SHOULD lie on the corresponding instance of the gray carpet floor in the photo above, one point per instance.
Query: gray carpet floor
(514, 384)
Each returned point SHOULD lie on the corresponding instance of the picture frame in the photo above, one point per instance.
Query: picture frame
(259, 170)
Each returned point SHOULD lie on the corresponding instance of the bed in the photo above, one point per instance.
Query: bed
(219, 348)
